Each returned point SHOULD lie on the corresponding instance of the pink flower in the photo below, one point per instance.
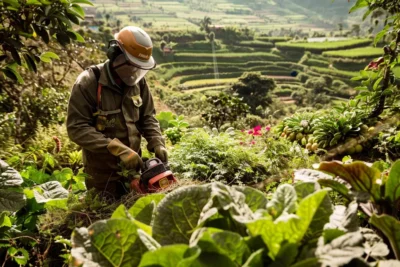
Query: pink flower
(257, 128)
(268, 128)
(242, 131)
(257, 134)
(253, 142)
(250, 132)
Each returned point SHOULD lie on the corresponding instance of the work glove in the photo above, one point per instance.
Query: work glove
(161, 153)
(130, 158)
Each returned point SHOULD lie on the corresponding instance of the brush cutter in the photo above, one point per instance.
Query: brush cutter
(155, 177)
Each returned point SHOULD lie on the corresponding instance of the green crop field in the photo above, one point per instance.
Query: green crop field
(362, 52)
(334, 72)
(319, 47)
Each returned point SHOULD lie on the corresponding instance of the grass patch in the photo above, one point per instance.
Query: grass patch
(226, 57)
(363, 52)
(336, 73)
(208, 83)
(256, 44)
(273, 39)
(323, 46)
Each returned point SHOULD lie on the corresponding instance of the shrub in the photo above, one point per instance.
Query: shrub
(338, 83)
(303, 77)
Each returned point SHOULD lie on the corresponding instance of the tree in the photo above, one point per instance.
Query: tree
(356, 29)
(205, 24)
(254, 89)
(340, 25)
(29, 21)
(32, 30)
(224, 108)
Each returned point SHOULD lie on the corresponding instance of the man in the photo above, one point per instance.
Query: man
(108, 114)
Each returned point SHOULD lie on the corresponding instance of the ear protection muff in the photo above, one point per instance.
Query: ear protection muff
(113, 50)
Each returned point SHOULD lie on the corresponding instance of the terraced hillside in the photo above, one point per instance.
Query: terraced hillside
(190, 70)
(259, 15)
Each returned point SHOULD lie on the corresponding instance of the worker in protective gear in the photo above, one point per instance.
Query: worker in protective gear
(111, 108)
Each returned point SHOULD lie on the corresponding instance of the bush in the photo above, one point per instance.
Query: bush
(338, 83)
(303, 77)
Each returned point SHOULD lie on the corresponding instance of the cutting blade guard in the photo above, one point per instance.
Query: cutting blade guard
(155, 178)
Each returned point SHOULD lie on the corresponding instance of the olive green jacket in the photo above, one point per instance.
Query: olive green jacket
(128, 113)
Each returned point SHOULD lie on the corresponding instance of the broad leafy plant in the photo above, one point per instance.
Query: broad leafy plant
(376, 190)
(172, 125)
(20, 208)
(218, 225)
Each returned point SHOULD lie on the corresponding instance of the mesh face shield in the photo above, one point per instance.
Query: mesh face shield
(129, 74)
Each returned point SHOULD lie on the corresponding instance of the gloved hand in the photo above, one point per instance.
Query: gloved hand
(130, 158)
(161, 153)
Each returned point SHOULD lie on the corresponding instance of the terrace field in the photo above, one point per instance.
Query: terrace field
(363, 52)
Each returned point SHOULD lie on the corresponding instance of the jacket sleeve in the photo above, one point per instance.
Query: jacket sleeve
(148, 124)
(81, 106)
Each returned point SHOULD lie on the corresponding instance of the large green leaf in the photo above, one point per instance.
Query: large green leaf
(230, 204)
(320, 218)
(392, 187)
(283, 201)
(9, 176)
(390, 228)
(255, 199)
(255, 259)
(177, 215)
(358, 175)
(164, 118)
(307, 175)
(5, 220)
(341, 250)
(148, 241)
(122, 213)
(50, 190)
(178, 255)
(83, 252)
(117, 240)
(374, 244)
(286, 256)
(217, 241)
(344, 219)
(11, 200)
(337, 186)
(144, 207)
(289, 227)
(305, 189)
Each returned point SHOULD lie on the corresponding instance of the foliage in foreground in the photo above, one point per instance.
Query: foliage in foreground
(218, 225)
(233, 157)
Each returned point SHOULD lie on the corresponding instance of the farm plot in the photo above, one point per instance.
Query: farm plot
(362, 52)
(319, 47)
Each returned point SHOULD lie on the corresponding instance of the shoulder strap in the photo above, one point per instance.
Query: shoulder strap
(96, 72)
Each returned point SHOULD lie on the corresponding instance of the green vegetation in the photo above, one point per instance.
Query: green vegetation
(319, 47)
(364, 52)
(245, 96)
